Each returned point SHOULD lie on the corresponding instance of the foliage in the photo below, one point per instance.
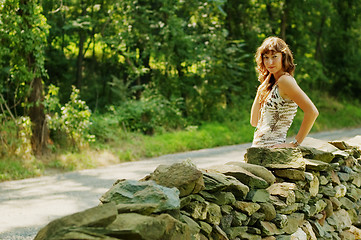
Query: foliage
(15, 138)
(152, 113)
(73, 119)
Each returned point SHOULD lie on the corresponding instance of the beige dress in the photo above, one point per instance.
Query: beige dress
(276, 118)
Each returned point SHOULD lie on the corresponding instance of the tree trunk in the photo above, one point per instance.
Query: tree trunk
(284, 21)
(40, 132)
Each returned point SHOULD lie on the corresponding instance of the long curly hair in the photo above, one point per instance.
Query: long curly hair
(267, 80)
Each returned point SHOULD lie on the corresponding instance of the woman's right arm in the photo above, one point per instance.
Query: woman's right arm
(255, 111)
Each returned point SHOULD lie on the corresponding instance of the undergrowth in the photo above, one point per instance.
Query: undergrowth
(115, 144)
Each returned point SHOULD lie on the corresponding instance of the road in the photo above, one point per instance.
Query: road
(28, 205)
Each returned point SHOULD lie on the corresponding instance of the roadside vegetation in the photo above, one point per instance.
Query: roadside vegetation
(85, 84)
(115, 144)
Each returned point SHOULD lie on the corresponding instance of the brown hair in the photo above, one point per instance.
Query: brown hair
(267, 80)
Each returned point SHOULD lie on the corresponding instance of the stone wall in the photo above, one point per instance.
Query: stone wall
(311, 192)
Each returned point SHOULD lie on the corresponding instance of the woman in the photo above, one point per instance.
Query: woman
(278, 97)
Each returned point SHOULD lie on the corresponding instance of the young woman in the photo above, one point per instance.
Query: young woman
(278, 97)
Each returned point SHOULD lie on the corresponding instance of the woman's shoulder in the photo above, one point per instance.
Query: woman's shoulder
(286, 79)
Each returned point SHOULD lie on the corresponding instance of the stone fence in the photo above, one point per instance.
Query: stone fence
(310, 192)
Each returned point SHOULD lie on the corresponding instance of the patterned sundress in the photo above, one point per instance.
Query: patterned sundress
(276, 118)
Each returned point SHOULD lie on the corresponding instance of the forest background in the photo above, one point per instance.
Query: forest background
(86, 83)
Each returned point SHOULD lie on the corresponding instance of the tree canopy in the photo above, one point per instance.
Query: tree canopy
(162, 61)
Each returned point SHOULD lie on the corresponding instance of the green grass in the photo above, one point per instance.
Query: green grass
(122, 146)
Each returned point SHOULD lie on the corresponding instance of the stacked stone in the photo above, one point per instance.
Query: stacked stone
(312, 192)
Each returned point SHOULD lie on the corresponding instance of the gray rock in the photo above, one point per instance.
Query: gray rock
(238, 218)
(276, 158)
(197, 210)
(234, 232)
(347, 203)
(205, 228)
(247, 207)
(269, 210)
(186, 177)
(280, 220)
(100, 216)
(319, 231)
(218, 233)
(141, 208)
(299, 235)
(240, 174)
(318, 149)
(193, 225)
(214, 214)
(130, 191)
(258, 196)
(149, 228)
(307, 228)
(294, 220)
(284, 191)
(340, 220)
(224, 198)
(257, 170)
(269, 228)
(217, 182)
(292, 174)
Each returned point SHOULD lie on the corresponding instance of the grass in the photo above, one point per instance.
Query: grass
(122, 146)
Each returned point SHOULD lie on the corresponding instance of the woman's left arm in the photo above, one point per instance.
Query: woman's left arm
(289, 89)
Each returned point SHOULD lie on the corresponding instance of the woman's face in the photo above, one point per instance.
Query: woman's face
(273, 62)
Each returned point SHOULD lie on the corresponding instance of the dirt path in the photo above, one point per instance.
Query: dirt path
(27, 205)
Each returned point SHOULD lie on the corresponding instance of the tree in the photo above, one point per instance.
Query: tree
(23, 33)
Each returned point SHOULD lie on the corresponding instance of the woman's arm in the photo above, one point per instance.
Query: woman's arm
(289, 89)
(255, 111)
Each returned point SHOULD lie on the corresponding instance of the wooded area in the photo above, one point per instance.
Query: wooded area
(157, 63)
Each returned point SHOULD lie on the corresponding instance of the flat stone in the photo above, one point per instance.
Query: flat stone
(299, 235)
(315, 165)
(217, 182)
(280, 220)
(276, 158)
(292, 174)
(145, 227)
(198, 210)
(307, 228)
(257, 170)
(318, 149)
(258, 196)
(99, 216)
(131, 191)
(247, 207)
(238, 218)
(234, 232)
(214, 214)
(284, 191)
(269, 210)
(289, 209)
(141, 208)
(193, 225)
(218, 233)
(347, 203)
(241, 175)
(269, 228)
(185, 177)
(294, 220)
(205, 227)
(340, 220)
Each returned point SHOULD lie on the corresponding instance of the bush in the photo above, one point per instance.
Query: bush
(150, 114)
(71, 121)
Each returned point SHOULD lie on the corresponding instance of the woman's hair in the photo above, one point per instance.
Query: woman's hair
(267, 80)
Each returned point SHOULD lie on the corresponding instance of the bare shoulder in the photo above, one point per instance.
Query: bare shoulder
(286, 80)
(288, 87)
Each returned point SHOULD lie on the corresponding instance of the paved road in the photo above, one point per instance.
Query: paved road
(27, 205)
